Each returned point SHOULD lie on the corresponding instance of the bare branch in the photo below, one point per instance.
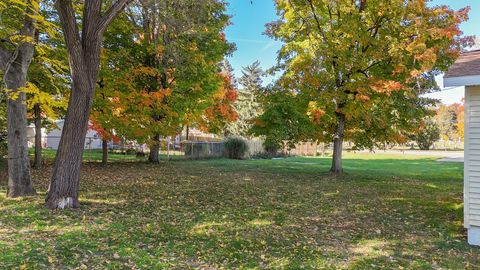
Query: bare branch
(112, 13)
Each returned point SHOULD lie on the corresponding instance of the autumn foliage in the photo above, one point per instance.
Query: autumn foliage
(155, 83)
(222, 111)
(360, 68)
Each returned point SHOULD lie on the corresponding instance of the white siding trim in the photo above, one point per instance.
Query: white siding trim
(472, 157)
(461, 81)
(466, 172)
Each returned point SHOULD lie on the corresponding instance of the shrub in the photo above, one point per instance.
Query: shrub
(427, 135)
(235, 148)
(131, 151)
(271, 147)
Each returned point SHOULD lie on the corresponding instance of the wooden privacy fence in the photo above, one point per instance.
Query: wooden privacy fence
(301, 149)
(199, 150)
(255, 147)
(306, 149)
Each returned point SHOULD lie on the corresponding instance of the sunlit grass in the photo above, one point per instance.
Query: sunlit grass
(386, 212)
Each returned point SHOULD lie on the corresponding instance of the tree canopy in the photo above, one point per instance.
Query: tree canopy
(161, 70)
(361, 67)
(247, 105)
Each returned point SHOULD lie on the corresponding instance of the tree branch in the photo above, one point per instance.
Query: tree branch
(304, 21)
(317, 20)
(25, 48)
(91, 16)
(112, 13)
(70, 30)
(5, 56)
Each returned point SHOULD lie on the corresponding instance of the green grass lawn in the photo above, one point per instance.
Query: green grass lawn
(387, 212)
(89, 155)
(95, 155)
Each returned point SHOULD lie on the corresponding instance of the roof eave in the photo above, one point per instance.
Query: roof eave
(461, 81)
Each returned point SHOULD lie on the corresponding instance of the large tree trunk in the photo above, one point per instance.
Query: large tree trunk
(104, 152)
(38, 136)
(19, 177)
(15, 66)
(84, 57)
(338, 145)
(63, 190)
(154, 156)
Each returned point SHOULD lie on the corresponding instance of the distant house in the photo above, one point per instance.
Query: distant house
(92, 141)
(51, 138)
(195, 134)
(31, 136)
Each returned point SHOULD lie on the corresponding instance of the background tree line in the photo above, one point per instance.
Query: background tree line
(352, 71)
(144, 68)
(447, 124)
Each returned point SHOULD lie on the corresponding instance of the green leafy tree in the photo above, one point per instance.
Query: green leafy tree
(45, 72)
(18, 25)
(247, 104)
(285, 120)
(427, 134)
(47, 87)
(359, 68)
(83, 46)
(164, 72)
(120, 53)
(447, 120)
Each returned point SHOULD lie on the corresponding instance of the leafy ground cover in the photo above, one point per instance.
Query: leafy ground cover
(90, 155)
(387, 212)
(95, 155)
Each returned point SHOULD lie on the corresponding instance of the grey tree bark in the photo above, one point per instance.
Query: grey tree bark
(104, 152)
(83, 49)
(338, 145)
(37, 163)
(15, 67)
(154, 156)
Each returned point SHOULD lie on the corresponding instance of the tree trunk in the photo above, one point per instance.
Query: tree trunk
(338, 145)
(154, 157)
(83, 49)
(104, 152)
(38, 136)
(19, 177)
(15, 70)
(63, 190)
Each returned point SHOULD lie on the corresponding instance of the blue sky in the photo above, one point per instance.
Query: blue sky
(249, 19)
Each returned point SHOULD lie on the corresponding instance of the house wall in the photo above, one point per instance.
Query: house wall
(92, 141)
(472, 164)
(31, 136)
(53, 136)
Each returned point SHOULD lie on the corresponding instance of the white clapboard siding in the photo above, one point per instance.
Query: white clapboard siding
(475, 184)
(472, 156)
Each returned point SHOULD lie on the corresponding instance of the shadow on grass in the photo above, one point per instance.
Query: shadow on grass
(247, 214)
